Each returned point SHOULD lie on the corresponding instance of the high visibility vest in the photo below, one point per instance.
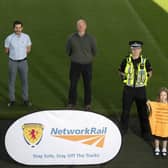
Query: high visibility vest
(158, 119)
(136, 78)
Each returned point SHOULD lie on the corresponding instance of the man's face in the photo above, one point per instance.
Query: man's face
(136, 51)
(18, 29)
(81, 26)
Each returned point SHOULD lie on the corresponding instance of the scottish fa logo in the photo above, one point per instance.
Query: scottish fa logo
(33, 133)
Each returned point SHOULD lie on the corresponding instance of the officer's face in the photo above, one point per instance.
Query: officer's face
(163, 97)
(81, 26)
(18, 29)
(136, 51)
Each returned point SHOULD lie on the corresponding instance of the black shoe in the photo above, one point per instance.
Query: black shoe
(87, 108)
(164, 154)
(70, 107)
(123, 132)
(123, 129)
(157, 153)
(27, 103)
(11, 103)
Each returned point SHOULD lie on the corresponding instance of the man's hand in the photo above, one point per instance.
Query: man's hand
(28, 49)
(149, 74)
(7, 50)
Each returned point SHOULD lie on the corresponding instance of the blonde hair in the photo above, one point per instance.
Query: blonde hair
(163, 89)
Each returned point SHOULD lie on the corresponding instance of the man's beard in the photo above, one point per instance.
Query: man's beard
(18, 32)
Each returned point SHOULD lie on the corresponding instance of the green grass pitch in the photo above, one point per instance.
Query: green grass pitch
(112, 22)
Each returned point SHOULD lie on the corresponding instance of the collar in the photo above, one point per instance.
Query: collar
(81, 36)
(18, 35)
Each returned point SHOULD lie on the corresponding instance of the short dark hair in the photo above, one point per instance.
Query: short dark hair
(16, 22)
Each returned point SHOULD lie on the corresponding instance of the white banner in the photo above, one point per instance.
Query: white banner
(63, 137)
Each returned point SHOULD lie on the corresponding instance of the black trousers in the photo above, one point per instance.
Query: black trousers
(131, 94)
(76, 70)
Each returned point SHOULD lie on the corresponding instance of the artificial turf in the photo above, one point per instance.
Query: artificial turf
(112, 22)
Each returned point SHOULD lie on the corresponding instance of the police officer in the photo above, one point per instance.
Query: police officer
(135, 70)
(17, 46)
(81, 47)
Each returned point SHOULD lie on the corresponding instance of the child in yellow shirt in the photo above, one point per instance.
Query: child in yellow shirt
(158, 119)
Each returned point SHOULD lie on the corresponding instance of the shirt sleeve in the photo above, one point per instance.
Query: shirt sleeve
(148, 66)
(122, 66)
(94, 47)
(29, 43)
(69, 47)
(7, 42)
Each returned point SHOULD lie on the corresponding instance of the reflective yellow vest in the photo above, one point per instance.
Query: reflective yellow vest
(137, 78)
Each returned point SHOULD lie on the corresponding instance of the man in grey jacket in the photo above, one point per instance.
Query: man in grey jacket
(81, 47)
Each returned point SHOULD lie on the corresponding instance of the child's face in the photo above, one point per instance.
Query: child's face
(163, 97)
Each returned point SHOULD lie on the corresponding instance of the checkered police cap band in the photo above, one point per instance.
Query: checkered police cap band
(134, 44)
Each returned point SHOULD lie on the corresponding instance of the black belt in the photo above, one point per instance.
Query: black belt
(18, 60)
(134, 86)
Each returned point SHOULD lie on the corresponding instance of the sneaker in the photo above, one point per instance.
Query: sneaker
(27, 103)
(11, 103)
(87, 108)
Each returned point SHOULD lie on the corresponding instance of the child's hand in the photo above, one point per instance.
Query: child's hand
(148, 102)
(148, 105)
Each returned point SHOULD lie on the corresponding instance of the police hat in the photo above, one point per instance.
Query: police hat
(134, 44)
